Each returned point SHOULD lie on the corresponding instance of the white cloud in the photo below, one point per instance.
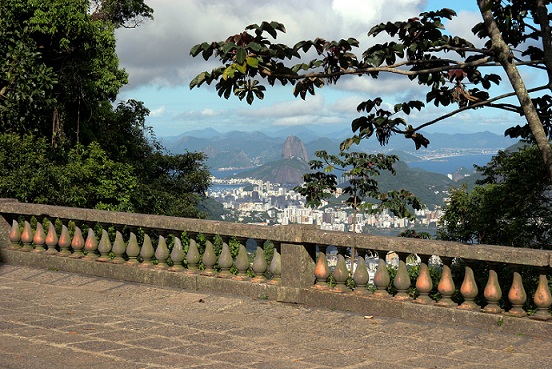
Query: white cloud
(157, 52)
(462, 26)
(297, 107)
(210, 113)
(158, 112)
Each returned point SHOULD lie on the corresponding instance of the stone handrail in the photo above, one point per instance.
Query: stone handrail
(298, 272)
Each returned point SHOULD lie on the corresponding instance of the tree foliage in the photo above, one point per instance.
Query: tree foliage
(73, 62)
(360, 190)
(66, 142)
(88, 179)
(453, 70)
(510, 206)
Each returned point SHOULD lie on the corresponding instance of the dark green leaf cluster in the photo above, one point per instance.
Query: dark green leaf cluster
(516, 21)
(59, 77)
(121, 13)
(89, 178)
(61, 66)
(511, 206)
(384, 123)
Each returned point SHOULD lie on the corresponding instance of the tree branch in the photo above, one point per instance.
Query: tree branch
(394, 69)
(474, 106)
(542, 15)
(502, 54)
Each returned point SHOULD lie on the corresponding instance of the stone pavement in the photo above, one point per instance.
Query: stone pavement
(52, 319)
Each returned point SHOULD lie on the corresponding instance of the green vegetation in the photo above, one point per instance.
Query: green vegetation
(359, 170)
(511, 205)
(64, 139)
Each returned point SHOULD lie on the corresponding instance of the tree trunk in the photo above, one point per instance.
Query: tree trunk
(503, 55)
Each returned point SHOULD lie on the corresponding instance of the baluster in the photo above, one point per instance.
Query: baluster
(492, 292)
(275, 268)
(15, 236)
(542, 298)
(64, 242)
(402, 280)
(360, 275)
(209, 257)
(424, 284)
(51, 239)
(91, 244)
(259, 263)
(225, 260)
(517, 295)
(382, 279)
(177, 256)
(192, 257)
(162, 253)
(104, 247)
(118, 249)
(146, 252)
(77, 244)
(446, 285)
(27, 237)
(242, 261)
(322, 269)
(341, 273)
(132, 250)
(39, 238)
(469, 289)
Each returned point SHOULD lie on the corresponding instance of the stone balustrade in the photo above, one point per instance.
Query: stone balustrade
(431, 281)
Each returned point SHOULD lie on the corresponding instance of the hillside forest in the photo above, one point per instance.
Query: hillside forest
(65, 138)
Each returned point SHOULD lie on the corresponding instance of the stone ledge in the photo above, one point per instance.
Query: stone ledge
(313, 297)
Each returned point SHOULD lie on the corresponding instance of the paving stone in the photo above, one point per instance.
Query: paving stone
(102, 346)
(100, 285)
(158, 342)
(51, 322)
(62, 320)
(47, 277)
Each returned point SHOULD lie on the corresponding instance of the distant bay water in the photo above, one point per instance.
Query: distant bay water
(450, 164)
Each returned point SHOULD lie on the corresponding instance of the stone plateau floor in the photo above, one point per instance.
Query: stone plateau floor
(52, 319)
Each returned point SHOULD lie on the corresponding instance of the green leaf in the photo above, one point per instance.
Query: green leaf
(253, 62)
(255, 46)
(241, 54)
(242, 68)
(198, 80)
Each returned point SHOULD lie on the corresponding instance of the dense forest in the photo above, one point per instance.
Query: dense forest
(66, 139)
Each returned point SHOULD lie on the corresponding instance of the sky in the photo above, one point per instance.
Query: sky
(156, 56)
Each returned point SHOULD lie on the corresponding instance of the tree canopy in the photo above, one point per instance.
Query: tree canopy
(360, 190)
(65, 139)
(510, 206)
(517, 37)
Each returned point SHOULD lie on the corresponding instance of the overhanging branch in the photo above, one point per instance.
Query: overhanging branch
(474, 106)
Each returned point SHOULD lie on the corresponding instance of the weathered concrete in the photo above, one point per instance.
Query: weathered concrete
(292, 234)
(313, 297)
(56, 319)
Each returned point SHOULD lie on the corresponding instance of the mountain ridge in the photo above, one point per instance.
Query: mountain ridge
(261, 147)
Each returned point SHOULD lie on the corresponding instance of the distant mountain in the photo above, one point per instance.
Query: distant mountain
(285, 171)
(404, 156)
(289, 170)
(469, 140)
(258, 148)
(294, 148)
(228, 159)
(323, 143)
(301, 132)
